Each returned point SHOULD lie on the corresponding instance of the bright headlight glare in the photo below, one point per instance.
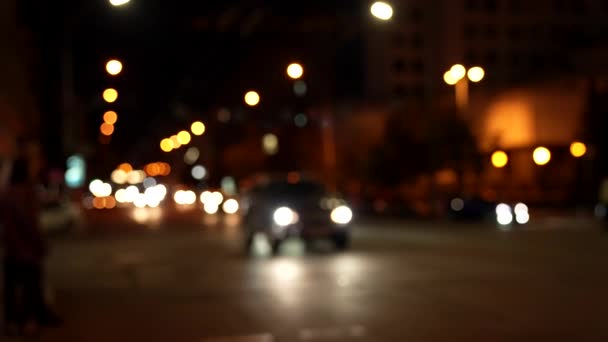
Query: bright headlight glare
(284, 216)
(342, 215)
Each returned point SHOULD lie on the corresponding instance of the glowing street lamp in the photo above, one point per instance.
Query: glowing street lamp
(295, 71)
(578, 149)
(459, 77)
(541, 156)
(197, 128)
(252, 98)
(110, 117)
(110, 95)
(117, 3)
(381, 10)
(114, 67)
(476, 74)
(499, 159)
(166, 145)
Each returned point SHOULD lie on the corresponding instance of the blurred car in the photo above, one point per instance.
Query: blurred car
(471, 209)
(59, 216)
(280, 209)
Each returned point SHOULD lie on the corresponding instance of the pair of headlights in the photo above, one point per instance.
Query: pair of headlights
(285, 216)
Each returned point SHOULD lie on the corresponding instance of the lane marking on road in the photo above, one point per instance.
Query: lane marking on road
(247, 338)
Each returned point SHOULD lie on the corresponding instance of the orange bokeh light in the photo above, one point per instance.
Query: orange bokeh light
(106, 129)
(110, 117)
(126, 167)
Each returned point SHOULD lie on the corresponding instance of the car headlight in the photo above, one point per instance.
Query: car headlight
(341, 215)
(284, 216)
(504, 215)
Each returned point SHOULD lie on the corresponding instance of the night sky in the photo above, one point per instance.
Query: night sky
(182, 61)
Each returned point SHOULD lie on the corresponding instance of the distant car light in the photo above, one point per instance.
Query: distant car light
(342, 215)
(284, 216)
(211, 208)
(457, 204)
(522, 218)
(521, 208)
(504, 218)
(231, 206)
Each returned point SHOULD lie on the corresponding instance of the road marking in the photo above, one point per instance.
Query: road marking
(248, 338)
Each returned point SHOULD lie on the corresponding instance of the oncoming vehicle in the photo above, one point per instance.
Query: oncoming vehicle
(280, 209)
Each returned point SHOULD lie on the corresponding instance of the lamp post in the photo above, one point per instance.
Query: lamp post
(459, 77)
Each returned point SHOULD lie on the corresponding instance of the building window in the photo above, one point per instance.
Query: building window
(470, 31)
(578, 6)
(515, 6)
(417, 40)
(418, 91)
(491, 32)
(399, 66)
(471, 5)
(514, 33)
(491, 58)
(490, 5)
(470, 57)
(417, 14)
(399, 39)
(514, 59)
(559, 6)
(418, 66)
(400, 90)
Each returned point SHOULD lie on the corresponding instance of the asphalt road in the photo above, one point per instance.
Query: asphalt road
(401, 281)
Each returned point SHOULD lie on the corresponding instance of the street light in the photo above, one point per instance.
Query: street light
(110, 95)
(110, 117)
(117, 3)
(499, 159)
(197, 128)
(114, 67)
(295, 71)
(166, 145)
(541, 155)
(578, 149)
(382, 10)
(252, 98)
(459, 77)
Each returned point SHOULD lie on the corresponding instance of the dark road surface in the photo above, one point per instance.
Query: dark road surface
(400, 282)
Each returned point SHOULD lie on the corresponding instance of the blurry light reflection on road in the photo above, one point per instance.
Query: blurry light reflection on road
(286, 272)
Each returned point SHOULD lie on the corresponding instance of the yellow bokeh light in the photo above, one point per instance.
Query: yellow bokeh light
(541, 155)
(295, 71)
(113, 67)
(476, 74)
(166, 145)
(106, 129)
(458, 72)
(449, 78)
(252, 98)
(270, 144)
(198, 128)
(578, 149)
(110, 117)
(382, 10)
(499, 159)
(184, 137)
(110, 95)
(175, 142)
